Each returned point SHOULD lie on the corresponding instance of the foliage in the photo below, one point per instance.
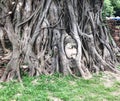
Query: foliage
(49, 88)
(116, 4)
(108, 8)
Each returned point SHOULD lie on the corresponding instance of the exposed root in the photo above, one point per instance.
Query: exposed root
(63, 36)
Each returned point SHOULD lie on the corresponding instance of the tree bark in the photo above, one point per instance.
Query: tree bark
(64, 36)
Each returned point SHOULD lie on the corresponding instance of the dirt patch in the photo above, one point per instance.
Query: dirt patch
(72, 83)
(35, 82)
(116, 93)
(110, 78)
(54, 98)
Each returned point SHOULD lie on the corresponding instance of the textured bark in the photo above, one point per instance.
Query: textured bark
(64, 36)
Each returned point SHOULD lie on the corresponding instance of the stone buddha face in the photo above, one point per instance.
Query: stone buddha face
(70, 48)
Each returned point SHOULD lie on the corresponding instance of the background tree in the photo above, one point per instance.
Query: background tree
(108, 8)
(65, 36)
(116, 5)
(111, 8)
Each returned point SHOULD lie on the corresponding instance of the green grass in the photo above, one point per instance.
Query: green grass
(49, 88)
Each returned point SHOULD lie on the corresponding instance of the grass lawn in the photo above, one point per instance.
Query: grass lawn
(60, 88)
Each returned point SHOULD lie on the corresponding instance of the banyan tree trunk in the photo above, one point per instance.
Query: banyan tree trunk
(64, 36)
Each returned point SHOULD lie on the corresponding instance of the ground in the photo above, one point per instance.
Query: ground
(102, 87)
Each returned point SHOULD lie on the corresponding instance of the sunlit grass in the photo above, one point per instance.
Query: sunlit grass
(58, 88)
